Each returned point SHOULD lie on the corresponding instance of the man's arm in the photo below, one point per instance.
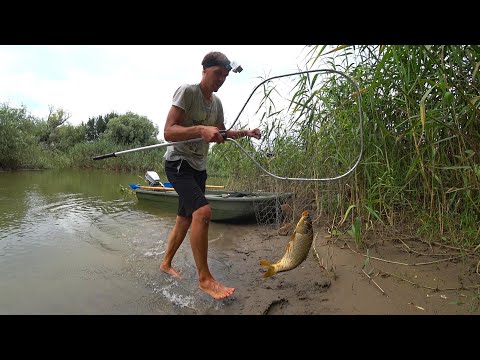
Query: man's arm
(175, 131)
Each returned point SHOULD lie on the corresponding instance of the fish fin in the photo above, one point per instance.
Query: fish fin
(271, 269)
(292, 237)
(289, 245)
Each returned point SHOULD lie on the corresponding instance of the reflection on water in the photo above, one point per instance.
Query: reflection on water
(71, 242)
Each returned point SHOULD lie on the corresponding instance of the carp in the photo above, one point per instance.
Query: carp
(297, 247)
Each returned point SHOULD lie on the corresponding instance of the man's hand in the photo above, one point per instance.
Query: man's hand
(211, 134)
(254, 133)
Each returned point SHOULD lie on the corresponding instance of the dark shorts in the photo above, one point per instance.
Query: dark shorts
(189, 185)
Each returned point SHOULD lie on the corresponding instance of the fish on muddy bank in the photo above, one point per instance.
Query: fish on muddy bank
(297, 248)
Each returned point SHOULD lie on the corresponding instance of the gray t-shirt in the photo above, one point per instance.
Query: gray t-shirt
(198, 111)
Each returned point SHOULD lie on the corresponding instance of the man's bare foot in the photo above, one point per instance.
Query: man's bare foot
(215, 289)
(170, 270)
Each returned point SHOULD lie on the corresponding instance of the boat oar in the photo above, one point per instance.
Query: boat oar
(167, 184)
(135, 186)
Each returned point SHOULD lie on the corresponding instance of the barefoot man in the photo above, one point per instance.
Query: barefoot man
(196, 112)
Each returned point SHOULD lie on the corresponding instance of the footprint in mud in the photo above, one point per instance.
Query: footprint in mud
(276, 307)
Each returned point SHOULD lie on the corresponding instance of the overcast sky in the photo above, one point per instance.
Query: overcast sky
(88, 81)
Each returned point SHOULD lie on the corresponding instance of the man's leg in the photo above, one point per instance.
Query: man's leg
(199, 243)
(175, 239)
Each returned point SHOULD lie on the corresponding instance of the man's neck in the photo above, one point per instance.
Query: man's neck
(207, 94)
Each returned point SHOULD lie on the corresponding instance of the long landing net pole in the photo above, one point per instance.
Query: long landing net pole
(223, 132)
(150, 147)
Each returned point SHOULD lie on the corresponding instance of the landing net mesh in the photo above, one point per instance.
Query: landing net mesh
(308, 131)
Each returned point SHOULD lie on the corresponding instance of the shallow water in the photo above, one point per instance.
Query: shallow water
(72, 242)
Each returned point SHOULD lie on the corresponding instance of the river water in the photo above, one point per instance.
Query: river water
(74, 242)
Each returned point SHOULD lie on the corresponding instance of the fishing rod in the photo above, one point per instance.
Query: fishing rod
(224, 132)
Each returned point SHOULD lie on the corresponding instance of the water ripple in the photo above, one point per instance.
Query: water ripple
(39, 217)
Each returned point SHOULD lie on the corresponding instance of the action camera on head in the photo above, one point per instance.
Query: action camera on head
(227, 64)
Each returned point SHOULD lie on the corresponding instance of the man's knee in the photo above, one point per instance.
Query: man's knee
(183, 222)
(204, 214)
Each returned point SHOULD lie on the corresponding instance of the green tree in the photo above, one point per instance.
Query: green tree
(56, 118)
(96, 126)
(16, 136)
(65, 137)
(131, 129)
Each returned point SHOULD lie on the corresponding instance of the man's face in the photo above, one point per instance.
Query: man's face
(215, 77)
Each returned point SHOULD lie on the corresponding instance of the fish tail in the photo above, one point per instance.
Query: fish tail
(271, 269)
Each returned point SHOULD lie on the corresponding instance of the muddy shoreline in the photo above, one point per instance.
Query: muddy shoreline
(338, 278)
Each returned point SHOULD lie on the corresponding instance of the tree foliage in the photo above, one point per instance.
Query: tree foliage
(67, 136)
(17, 136)
(96, 126)
(131, 129)
(55, 118)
